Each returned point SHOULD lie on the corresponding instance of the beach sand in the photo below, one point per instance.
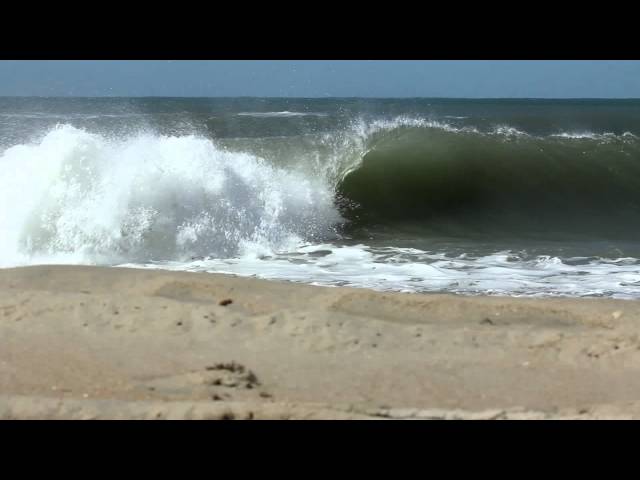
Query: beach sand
(115, 343)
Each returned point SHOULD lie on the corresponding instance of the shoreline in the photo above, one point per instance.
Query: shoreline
(104, 342)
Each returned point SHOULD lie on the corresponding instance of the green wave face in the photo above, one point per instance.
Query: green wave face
(466, 181)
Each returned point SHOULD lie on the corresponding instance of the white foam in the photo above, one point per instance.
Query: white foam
(602, 137)
(282, 114)
(83, 198)
(412, 270)
(508, 131)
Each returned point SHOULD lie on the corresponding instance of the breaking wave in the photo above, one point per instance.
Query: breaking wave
(81, 197)
(75, 196)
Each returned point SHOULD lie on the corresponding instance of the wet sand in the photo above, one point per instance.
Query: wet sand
(95, 342)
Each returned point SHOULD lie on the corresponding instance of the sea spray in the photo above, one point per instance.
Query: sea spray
(151, 197)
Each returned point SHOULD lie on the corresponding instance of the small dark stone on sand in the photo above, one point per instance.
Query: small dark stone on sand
(225, 302)
(179, 324)
(487, 321)
(265, 395)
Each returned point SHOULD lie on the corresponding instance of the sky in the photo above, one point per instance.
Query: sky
(323, 78)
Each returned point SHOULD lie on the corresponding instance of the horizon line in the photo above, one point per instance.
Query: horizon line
(324, 97)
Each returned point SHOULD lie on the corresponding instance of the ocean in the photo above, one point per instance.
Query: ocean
(475, 197)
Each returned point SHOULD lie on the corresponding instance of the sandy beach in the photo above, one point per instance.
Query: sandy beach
(115, 343)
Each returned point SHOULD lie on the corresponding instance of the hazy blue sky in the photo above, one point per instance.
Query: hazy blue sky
(322, 78)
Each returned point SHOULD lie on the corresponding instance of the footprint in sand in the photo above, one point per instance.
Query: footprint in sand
(233, 375)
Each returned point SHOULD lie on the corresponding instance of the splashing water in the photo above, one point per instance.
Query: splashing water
(81, 197)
